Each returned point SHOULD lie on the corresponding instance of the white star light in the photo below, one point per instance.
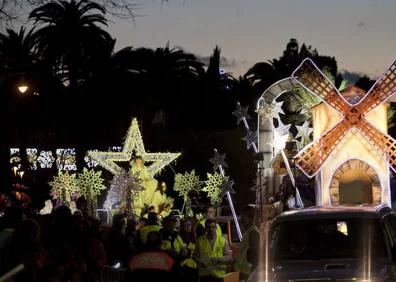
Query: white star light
(218, 160)
(303, 130)
(133, 142)
(250, 138)
(267, 110)
(283, 129)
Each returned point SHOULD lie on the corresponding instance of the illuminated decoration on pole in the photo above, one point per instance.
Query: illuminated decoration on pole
(241, 113)
(133, 142)
(314, 155)
(119, 187)
(90, 185)
(212, 187)
(225, 188)
(64, 186)
(250, 138)
(218, 160)
(185, 183)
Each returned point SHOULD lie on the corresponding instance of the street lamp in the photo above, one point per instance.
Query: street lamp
(22, 88)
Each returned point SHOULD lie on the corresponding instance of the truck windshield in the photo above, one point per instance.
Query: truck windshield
(327, 239)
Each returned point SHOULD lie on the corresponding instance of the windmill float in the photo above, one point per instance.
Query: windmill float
(350, 136)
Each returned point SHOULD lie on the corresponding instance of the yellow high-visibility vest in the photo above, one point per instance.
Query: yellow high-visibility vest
(218, 228)
(178, 244)
(206, 251)
(241, 263)
(145, 230)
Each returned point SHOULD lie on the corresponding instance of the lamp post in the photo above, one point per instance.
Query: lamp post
(6, 174)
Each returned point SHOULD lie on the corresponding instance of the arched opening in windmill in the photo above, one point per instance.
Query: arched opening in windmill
(355, 182)
(355, 187)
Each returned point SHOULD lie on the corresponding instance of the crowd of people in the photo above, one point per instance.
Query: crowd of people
(62, 246)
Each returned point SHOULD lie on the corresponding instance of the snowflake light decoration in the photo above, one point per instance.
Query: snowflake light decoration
(90, 183)
(184, 183)
(66, 159)
(212, 187)
(133, 142)
(64, 186)
(32, 157)
(15, 157)
(45, 159)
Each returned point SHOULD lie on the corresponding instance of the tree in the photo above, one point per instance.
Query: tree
(70, 36)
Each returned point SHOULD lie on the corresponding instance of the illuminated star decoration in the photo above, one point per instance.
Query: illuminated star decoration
(225, 187)
(218, 160)
(303, 130)
(267, 111)
(212, 187)
(64, 186)
(133, 142)
(241, 113)
(250, 138)
(119, 186)
(185, 183)
(283, 129)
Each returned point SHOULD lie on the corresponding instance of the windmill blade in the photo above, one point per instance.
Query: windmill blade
(382, 142)
(312, 157)
(313, 80)
(381, 91)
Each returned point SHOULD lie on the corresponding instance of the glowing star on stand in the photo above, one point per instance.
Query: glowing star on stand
(90, 183)
(225, 187)
(218, 160)
(212, 187)
(184, 183)
(250, 138)
(133, 142)
(303, 130)
(241, 113)
(64, 186)
(119, 186)
(279, 141)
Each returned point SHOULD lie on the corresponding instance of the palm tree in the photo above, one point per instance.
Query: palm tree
(70, 36)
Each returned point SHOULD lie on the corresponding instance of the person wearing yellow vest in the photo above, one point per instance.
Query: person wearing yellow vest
(212, 254)
(246, 258)
(151, 226)
(171, 240)
(210, 213)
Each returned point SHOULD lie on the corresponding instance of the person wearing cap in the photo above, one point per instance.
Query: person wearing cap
(171, 240)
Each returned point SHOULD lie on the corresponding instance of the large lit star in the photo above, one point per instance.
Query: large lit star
(133, 143)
